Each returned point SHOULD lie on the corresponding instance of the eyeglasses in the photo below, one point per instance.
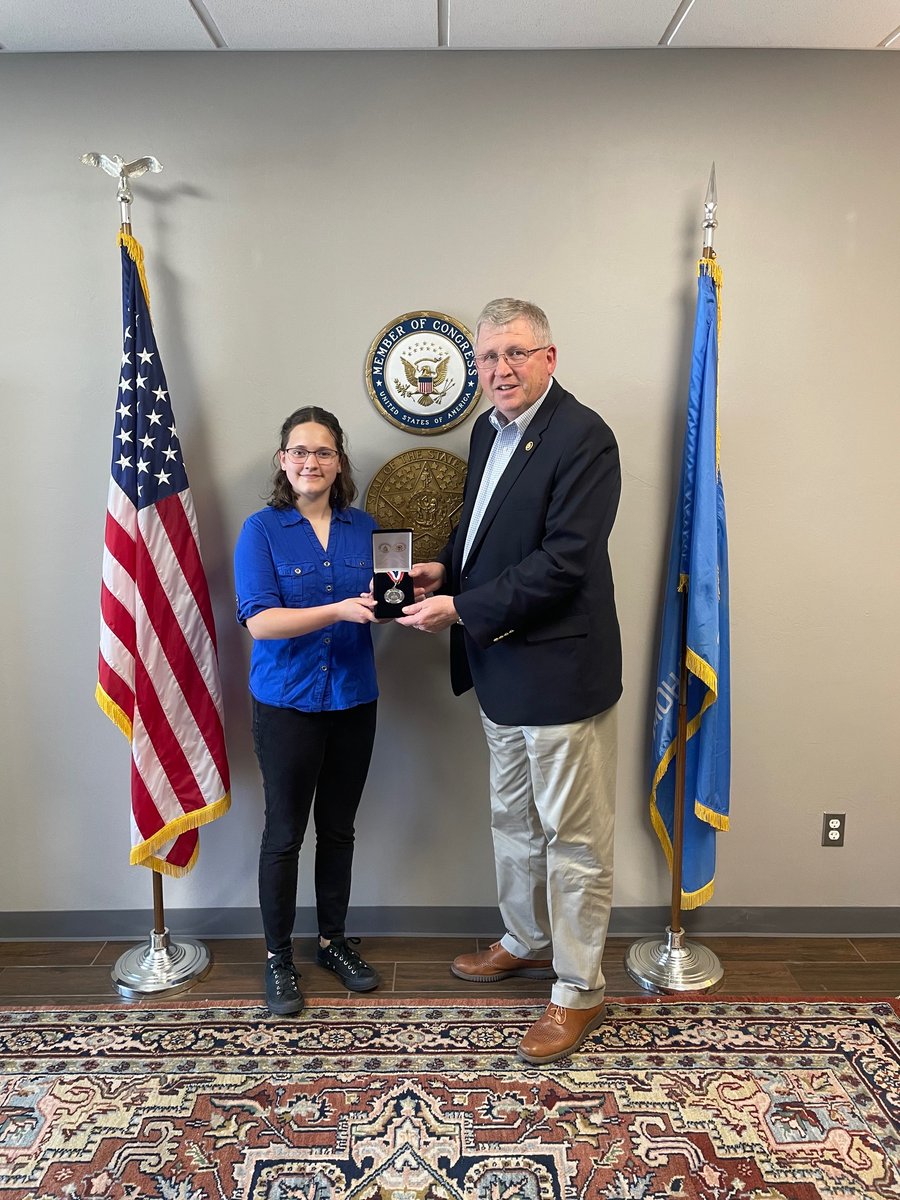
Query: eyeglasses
(299, 454)
(515, 358)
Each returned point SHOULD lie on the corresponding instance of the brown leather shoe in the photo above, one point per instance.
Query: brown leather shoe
(558, 1032)
(487, 966)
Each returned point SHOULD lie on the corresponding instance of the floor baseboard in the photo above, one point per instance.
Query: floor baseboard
(450, 922)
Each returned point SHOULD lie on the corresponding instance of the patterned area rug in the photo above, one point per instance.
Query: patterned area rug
(375, 1100)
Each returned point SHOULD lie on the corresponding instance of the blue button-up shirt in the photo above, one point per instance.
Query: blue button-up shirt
(280, 563)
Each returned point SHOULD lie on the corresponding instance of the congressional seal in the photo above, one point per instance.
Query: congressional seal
(421, 373)
(421, 490)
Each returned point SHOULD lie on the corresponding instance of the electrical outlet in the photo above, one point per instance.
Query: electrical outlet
(833, 828)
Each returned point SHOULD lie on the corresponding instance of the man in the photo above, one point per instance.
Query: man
(527, 588)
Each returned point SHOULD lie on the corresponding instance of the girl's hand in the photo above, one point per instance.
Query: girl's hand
(357, 609)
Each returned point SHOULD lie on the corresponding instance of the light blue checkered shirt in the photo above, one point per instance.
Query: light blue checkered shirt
(509, 434)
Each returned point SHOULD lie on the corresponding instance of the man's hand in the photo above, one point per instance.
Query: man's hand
(430, 615)
(427, 577)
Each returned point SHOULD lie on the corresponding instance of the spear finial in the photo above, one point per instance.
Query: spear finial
(710, 205)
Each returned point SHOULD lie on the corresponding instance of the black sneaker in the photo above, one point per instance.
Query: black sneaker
(282, 994)
(354, 972)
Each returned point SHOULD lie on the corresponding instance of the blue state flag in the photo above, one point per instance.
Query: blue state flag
(698, 577)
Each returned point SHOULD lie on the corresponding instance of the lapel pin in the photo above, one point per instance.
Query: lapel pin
(529, 446)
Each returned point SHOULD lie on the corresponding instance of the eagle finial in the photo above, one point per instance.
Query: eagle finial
(115, 165)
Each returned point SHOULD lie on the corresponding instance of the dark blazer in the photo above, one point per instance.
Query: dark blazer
(540, 640)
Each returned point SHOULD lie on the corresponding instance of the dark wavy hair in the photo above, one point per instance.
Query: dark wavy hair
(343, 490)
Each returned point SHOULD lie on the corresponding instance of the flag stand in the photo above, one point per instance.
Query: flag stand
(673, 964)
(161, 966)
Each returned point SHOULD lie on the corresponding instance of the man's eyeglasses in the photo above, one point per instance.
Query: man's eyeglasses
(515, 358)
(299, 454)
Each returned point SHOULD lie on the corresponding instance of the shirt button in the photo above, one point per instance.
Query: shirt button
(328, 587)
(326, 563)
(326, 640)
(298, 570)
(324, 668)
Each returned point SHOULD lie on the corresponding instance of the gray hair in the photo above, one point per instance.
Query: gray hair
(501, 312)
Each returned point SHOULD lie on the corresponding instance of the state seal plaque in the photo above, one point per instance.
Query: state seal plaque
(421, 490)
(421, 373)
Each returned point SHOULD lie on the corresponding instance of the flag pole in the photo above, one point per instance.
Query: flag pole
(162, 965)
(672, 964)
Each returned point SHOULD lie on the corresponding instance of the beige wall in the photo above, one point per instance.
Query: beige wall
(309, 199)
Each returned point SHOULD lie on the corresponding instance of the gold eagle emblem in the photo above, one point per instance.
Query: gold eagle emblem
(425, 379)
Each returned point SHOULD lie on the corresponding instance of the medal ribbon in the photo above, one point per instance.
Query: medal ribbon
(396, 576)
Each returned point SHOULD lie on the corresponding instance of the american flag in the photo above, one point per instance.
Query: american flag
(159, 674)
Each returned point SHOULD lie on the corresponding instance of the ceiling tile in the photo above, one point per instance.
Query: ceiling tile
(84, 25)
(326, 24)
(806, 24)
(557, 24)
(57, 25)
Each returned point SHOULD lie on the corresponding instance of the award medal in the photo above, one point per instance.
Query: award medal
(395, 595)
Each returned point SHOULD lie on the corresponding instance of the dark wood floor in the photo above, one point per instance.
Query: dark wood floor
(33, 973)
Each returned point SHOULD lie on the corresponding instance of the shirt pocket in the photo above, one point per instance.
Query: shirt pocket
(297, 580)
(358, 570)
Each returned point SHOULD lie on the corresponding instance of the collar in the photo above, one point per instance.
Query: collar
(290, 516)
(524, 419)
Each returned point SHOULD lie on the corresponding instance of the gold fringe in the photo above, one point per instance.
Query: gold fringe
(142, 855)
(710, 267)
(688, 899)
(694, 724)
(661, 769)
(671, 750)
(701, 811)
(112, 710)
(695, 899)
(662, 833)
(136, 254)
(711, 817)
(164, 868)
(700, 667)
(693, 727)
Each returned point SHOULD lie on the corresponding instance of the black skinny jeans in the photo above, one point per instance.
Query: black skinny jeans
(305, 755)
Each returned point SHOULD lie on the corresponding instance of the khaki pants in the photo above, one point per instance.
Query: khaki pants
(553, 796)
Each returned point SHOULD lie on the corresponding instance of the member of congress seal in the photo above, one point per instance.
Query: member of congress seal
(421, 373)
